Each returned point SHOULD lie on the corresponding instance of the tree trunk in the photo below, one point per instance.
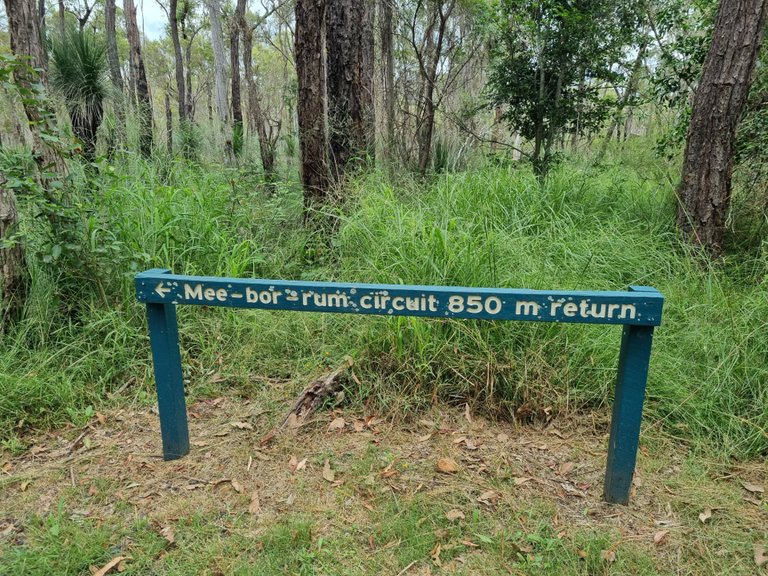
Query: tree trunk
(428, 115)
(349, 42)
(181, 91)
(311, 107)
(256, 119)
(704, 193)
(43, 32)
(26, 42)
(168, 122)
(62, 22)
(237, 26)
(14, 280)
(388, 61)
(114, 72)
(139, 75)
(220, 66)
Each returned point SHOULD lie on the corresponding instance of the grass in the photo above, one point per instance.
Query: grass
(587, 227)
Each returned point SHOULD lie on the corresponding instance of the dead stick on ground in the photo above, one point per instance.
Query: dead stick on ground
(318, 390)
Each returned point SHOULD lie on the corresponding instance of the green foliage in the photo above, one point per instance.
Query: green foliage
(550, 65)
(588, 228)
(79, 74)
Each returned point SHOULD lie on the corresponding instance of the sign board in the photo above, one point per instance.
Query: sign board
(638, 310)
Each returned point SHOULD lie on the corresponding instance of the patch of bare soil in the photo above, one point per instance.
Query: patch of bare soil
(238, 463)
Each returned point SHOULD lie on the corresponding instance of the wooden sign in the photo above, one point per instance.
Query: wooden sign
(638, 310)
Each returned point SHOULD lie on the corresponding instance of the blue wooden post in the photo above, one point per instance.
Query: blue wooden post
(631, 379)
(164, 337)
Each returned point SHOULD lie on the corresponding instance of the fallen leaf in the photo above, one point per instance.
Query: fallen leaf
(760, 555)
(521, 481)
(237, 486)
(583, 554)
(359, 425)
(753, 501)
(337, 424)
(467, 415)
(108, 567)
(255, 506)
(608, 555)
(241, 425)
(328, 474)
(470, 544)
(454, 515)
(424, 438)
(427, 423)
(565, 468)
(706, 515)
(447, 466)
(488, 497)
(168, 534)
(502, 438)
(660, 537)
(24, 486)
(754, 488)
(435, 554)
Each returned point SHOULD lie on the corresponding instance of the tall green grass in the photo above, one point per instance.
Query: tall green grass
(585, 228)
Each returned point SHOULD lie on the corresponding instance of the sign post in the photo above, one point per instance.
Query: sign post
(638, 310)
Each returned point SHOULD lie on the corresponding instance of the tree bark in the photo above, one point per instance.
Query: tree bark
(26, 42)
(256, 119)
(14, 280)
(237, 26)
(168, 122)
(139, 75)
(181, 92)
(430, 78)
(220, 66)
(311, 107)
(704, 193)
(114, 73)
(385, 10)
(349, 42)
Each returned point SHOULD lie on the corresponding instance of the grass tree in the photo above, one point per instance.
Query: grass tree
(79, 73)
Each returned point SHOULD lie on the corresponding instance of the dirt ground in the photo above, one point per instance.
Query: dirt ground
(336, 467)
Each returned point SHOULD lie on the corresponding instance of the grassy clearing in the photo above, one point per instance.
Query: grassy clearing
(587, 227)
(524, 500)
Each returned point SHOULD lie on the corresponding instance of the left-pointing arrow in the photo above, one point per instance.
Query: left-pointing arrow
(162, 291)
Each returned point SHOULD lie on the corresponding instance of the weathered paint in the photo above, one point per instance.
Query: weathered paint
(638, 310)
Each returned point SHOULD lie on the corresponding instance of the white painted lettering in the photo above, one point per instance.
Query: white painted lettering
(338, 300)
(209, 294)
(365, 302)
(628, 309)
(570, 309)
(397, 303)
(525, 308)
(193, 292)
(221, 294)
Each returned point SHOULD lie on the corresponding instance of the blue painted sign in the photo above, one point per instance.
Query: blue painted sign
(638, 310)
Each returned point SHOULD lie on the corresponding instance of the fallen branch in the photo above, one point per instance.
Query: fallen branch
(317, 392)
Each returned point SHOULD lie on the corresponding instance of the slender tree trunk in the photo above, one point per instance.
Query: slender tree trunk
(114, 73)
(256, 118)
(704, 194)
(181, 88)
(139, 75)
(349, 42)
(236, 27)
(311, 108)
(168, 122)
(43, 31)
(428, 117)
(220, 66)
(62, 22)
(388, 60)
(632, 82)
